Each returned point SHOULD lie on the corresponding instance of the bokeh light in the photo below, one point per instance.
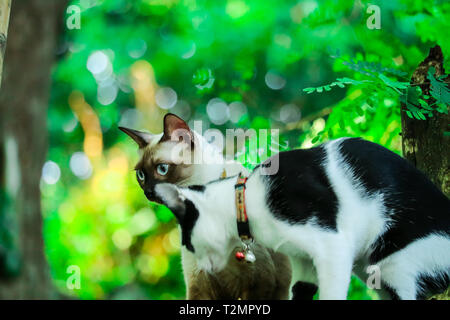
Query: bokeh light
(237, 111)
(166, 98)
(51, 172)
(136, 48)
(274, 80)
(218, 111)
(81, 165)
(290, 113)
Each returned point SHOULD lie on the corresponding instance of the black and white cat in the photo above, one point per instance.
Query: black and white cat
(335, 209)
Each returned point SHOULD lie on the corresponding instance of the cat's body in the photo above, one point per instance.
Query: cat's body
(267, 279)
(341, 207)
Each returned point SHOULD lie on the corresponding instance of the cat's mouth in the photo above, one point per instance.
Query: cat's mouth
(151, 196)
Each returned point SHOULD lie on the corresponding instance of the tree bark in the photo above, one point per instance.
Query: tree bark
(23, 140)
(423, 141)
(5, 8)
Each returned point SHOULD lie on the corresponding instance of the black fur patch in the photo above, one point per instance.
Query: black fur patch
(390, 291)
(187, 223)
(199, 188)
(418, 208)
(432, 285)
(303, 291)
(300, 190)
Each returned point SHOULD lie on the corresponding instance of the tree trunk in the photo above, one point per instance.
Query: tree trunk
(5, 8)
(423, 141)
(24, 272)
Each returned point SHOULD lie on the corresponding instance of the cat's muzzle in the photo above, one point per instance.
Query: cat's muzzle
(151, 196)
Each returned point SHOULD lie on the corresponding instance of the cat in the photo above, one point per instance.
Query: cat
(335, 209)
(269, 277)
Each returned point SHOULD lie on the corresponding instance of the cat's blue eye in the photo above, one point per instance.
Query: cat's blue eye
(140, 175)
(162, 169)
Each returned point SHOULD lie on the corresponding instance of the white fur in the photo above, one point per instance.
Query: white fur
(401, 268)
(211, 169)
(223, 236)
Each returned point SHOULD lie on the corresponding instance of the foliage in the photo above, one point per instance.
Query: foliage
(439, 90)
(411, 95)
(132, 61)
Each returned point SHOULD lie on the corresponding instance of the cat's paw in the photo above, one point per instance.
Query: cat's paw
(303, 291)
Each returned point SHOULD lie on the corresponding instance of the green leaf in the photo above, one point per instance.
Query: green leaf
(418, 115)
(425, 105)
(439, 89)
(309, 90)
(359, 111)
(203, 78)
(396, 85)
(421, 115)
(330, 133)
(351, 81)
(315, 139)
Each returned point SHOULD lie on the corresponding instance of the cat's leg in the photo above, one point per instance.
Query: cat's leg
(304, 278)
(334, 270)
(304, 291)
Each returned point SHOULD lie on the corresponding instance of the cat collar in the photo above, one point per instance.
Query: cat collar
(242, 222)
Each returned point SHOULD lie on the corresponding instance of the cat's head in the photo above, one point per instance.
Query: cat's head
(210, 234)
(167, 157)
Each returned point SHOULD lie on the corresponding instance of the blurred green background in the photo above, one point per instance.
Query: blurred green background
(231, 64)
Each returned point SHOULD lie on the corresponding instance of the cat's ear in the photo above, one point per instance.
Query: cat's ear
(141, 138)
(171, 196)
(176, 129)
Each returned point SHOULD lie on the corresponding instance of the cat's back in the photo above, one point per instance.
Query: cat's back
(378, 168)
(416, 207)
(404, 187)
(304, 186)
(299, 188)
